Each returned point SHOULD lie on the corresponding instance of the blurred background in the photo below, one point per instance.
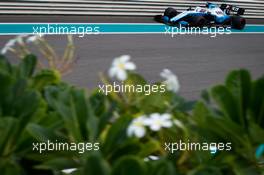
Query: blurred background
(146, 8)
(200, 61)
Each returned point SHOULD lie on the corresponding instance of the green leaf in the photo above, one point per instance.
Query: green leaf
(102, 109)
(256, 133)
(27, 66)
(61, 100)
(200, 112)
(58, 164)
(43, 134)
(226, 102)
(26, 103)
(213, 128)
(257, 101)
(26, 106)
(10, 167)
(6, 84)
(162, 167)
(82, 113)
(129, 165)
(116, 135)
(135, 79)
(206, 96)
(7, 126)
(46, 77)
(149, 148)
(239, 84)
(205, 170)
(95, 164)
(4, 64)
(155, 102)
(126, 148)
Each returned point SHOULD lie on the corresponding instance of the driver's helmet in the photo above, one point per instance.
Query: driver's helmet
(210, 5)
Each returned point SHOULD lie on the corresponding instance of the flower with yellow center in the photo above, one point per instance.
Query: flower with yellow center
(120, 66)
(137, 127)
(157, 121)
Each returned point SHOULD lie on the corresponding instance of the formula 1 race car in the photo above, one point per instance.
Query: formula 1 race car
(211, 15)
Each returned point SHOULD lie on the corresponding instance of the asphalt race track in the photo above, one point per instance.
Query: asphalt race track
(199, 61)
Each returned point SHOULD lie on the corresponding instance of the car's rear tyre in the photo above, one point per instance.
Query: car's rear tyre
(170, 12)
(198, 21)
(238, 22)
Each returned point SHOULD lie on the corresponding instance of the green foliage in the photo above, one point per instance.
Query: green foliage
(35, 106)
(129, 165)
(95, 164)
(235, 118)
(19, 104)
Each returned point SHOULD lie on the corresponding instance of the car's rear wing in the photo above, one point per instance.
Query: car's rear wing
(232, 10)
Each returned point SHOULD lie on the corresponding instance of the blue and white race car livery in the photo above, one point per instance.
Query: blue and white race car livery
(212, 14)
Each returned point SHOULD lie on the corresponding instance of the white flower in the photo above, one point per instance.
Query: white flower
(157, 121)
(8, 46)
(11, 43)
(137, 127)
(33, 38)
(19, 38)
(69, 171)
(171, 80)
(151, 157)
(120, 66)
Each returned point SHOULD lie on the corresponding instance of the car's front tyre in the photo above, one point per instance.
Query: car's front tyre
(170, 12)
(198, 21)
